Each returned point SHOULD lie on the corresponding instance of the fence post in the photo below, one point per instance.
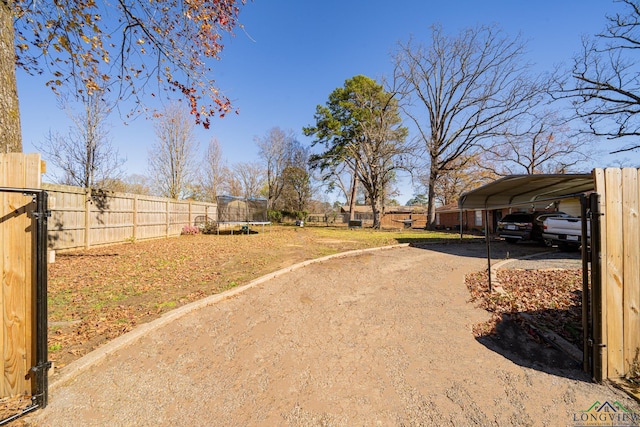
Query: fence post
(598, 322)
(167, 224)
(87, 218)
(135, 217)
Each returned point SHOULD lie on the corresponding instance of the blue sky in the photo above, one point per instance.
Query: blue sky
(292, 54)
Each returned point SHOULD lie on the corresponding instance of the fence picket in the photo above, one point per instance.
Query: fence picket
(631, 291)
(17, 170)
(615, 271)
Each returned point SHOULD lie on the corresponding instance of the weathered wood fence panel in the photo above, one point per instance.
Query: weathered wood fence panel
(620, 262)
(395, 220)
(17, 272)
(110, 218)
(82, 219)
(179, 215)
(152, 218)
(69, 212)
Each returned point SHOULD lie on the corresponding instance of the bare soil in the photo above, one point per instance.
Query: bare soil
(384, 338)
(99, 294)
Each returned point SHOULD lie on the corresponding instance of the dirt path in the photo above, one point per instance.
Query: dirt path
(380, 339)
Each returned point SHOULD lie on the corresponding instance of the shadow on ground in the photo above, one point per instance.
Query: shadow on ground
(477, 248)
(516, 343)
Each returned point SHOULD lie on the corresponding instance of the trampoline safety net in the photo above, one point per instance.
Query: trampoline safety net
(238, 209)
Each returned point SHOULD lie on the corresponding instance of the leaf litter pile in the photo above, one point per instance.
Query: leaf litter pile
(551, 299)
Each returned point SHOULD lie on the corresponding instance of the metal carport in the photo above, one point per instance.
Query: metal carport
(525, 190)
(521, 190)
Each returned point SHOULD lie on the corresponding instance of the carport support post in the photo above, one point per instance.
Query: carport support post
(42, 367)
(486, 238)
(586, 366)
(598, 347)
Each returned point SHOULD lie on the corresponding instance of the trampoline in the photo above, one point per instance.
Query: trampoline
(242, 211)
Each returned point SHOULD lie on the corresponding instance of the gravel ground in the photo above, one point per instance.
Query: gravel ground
(382, 338)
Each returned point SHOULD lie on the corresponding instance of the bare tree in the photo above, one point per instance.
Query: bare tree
(172, 156)
(297, 189)
(134, 184)
(251, 177)
(604, 84)
(10, 135)
(84, 156)
(459, 92)
(457, 180)
(232, 185)
(212, 173)
(275, 148)
(339, 175)
(535, 144)
(341, 178)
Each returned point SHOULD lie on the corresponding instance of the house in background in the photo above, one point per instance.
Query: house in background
(393, 217)
(450, 217)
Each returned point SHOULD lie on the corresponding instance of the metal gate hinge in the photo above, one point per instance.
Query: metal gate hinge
(42, 366)
(36, 214)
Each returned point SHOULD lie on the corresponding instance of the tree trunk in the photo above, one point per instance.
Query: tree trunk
(10, 134)
(352, 201)
(376, 209)
(431, 202)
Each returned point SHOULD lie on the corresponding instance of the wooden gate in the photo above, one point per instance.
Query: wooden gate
(17, 294)
(618, 317)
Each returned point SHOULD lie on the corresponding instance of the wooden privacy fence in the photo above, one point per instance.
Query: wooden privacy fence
(17, 327)
(397, 220)
(81, 218)
(619, 206)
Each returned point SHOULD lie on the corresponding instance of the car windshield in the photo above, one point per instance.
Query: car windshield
(518, 218)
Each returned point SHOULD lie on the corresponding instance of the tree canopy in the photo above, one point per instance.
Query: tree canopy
(129, 47)
(360, 126)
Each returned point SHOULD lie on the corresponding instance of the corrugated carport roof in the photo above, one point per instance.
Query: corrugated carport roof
(524, 189)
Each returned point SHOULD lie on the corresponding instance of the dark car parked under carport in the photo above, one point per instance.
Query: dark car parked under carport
(524, 225)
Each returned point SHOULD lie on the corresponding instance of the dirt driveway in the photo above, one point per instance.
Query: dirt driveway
(383, 338)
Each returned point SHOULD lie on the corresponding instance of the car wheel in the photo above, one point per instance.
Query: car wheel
(511, 240)
(548, 242)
